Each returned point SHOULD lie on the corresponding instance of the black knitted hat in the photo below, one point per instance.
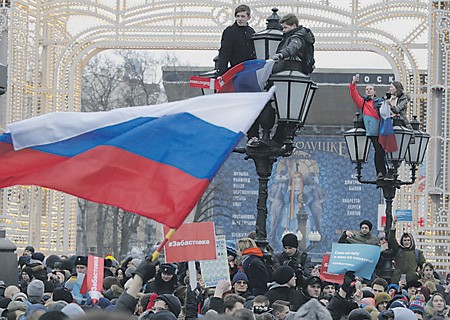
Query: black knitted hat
(290, 240)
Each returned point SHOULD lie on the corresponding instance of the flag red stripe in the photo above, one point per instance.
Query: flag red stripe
(109, 175)
(388, 143)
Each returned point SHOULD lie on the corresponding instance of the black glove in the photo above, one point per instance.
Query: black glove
(147, 269)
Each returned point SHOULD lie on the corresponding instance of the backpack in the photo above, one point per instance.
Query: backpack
(308, 59)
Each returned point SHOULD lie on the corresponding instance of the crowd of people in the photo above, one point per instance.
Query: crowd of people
(282, 285)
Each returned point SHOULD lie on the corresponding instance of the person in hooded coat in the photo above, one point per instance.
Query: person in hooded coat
(253, 265)
(312, 310)
(166, 280)
(436, 306)
(292, 48)
(408, 259)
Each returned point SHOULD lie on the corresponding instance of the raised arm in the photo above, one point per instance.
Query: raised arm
(356, 97)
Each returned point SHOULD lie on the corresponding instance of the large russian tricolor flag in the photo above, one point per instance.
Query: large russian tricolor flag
(155, 161)
(387, 136)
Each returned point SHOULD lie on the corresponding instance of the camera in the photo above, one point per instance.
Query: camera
(261, 309)
(388, 95)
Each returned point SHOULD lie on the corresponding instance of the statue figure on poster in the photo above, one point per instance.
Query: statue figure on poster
(277, 199)
(313, 198)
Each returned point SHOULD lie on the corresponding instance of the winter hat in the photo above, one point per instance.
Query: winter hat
(67, 265)
(240, 276)
(50, 261)
(415, 284)
(168, 268)
(53, 315)
(398, 304)
(425, 291)
(367, 223)
(35, 289)
(367, 292)
(162, 315)
(417, 305)
(23, 260)
(326, 283)
(29, 248)
(290, 240)
(282, 275)
(62, 294)
(173, 303)
(312, 309)
(136, 262)
(33, 308)
(38, 256)
(16, 305)
(28, 271)
(359, 314)
(231, 248)
(19, 296)
(403, 314)
(310, 281)
(103, 303)
(56, 306)
(381, 297)
(392, 286)
(81, 260)
(73, 311)
(107, 263)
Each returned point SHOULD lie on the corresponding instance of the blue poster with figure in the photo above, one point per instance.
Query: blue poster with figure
(314, 193)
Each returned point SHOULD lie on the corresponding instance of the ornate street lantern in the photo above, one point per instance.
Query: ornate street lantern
(293, 97)
(266, 41)
(357, 141)
(403, 137)
(416, 151)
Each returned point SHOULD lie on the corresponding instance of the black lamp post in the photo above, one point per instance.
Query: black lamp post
(293, 97)
(413, 154)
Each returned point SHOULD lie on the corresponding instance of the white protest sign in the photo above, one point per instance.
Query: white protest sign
(215, 270)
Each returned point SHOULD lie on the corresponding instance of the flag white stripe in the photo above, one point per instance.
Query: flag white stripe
(234, 111)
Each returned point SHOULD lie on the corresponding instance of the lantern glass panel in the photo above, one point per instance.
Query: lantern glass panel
(260, 48)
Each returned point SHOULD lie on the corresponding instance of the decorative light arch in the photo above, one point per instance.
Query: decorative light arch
(46, 59)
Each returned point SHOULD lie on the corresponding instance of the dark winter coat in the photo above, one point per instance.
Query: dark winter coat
(236, 46)
(298, 260)
(283, 292)
(159, 286)
(339, 306)
(405, 258)
(401, 107)
(126, 303)
(257, 274)
(312, 310)
(292, 48)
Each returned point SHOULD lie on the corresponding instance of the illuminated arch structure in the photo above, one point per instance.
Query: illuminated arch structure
(46, 60)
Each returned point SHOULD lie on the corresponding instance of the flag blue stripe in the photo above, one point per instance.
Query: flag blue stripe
(247, 80)
(180, 140)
